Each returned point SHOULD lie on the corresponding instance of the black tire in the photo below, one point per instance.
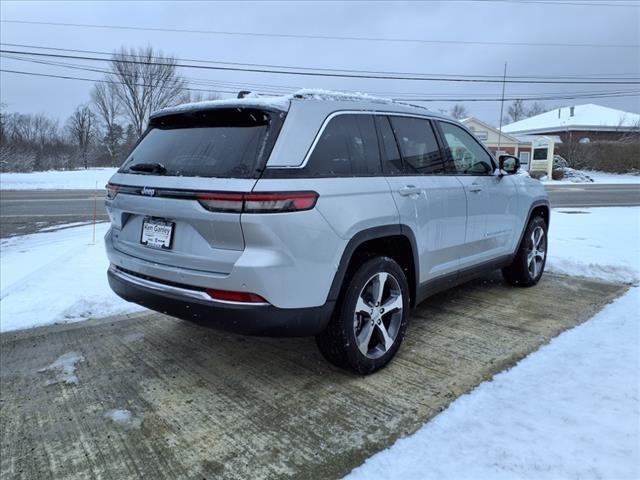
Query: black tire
(339, 343)
(521, 272)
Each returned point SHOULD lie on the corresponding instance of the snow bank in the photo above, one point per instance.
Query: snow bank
(569, 410)
(604, 177)
(592, 176)
(56, 277)
(57, 179)
(602, 243)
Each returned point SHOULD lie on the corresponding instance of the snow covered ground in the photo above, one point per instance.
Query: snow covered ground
(70, 284)
(570, 410)
(596, 242)
(56, 277)
(598, 177)
(57, 180)
(604, 177)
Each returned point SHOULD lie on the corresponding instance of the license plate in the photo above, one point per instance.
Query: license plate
(157, 233)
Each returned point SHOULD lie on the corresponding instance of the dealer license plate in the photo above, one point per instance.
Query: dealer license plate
(157, 233)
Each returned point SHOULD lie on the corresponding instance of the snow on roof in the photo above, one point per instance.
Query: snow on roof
(488, 126)
(277, 103)
(587, 117)
(320, 94)
(251, 100)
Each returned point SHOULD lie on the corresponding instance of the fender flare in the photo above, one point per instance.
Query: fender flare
(534, 205)
(362, 236)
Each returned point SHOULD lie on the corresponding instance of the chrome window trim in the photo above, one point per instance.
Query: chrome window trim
(331, 116)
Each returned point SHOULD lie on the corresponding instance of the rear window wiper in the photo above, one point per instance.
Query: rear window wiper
(148, 168)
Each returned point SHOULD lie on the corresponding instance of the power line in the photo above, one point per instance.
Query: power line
(326, 74)
(278, 89)
(554, 2)
(319, 37)
(69, 77)
(621, 76)
(281, 89)
(566, 97)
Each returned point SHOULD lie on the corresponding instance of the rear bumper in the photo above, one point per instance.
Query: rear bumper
(195, 306)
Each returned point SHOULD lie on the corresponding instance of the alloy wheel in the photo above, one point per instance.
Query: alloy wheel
(378, 315)
(536, 252)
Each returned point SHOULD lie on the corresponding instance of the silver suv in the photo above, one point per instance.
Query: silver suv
(316, 215)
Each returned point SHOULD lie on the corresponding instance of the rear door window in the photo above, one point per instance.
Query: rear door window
(228, 143)
(418, 146)
(348, 146)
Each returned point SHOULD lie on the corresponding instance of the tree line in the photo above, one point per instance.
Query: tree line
(515, 112)
(102, 130)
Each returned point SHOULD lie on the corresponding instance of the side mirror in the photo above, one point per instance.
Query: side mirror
(509, 164)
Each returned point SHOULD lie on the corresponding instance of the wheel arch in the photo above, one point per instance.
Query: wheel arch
(539, 207)
(394, 241)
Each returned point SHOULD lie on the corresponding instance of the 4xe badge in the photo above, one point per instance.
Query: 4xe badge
(149, 192)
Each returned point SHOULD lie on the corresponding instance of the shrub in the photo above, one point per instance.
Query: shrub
(614, 157)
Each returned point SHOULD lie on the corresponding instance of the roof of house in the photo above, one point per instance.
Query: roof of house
(584, 117)
(505, 135)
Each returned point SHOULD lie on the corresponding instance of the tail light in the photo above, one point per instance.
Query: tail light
(236, 297)
(276, 202)
(112, 191)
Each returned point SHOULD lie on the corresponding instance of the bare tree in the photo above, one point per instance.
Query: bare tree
(107, 103)
(145, 81)
(192, 97)
(82, 128)
(516, 111)
(536, 109)
(630, 135)
(459, 111)
(31, 142)
(108, 107)
(37, 129)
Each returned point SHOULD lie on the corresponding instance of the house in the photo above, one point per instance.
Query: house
(580, 123)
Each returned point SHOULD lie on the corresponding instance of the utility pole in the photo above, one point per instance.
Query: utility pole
(504, 81)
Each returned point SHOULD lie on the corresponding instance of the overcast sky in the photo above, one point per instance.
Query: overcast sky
(485, 21)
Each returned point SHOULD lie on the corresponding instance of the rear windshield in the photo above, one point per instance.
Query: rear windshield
(229, 143)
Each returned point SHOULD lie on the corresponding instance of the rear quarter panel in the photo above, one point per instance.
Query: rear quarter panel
(313, 242)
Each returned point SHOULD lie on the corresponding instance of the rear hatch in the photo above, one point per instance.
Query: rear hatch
(160, 200)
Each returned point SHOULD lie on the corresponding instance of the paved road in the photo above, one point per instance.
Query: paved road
(206, 404)
(594, 195)
(28, 211)
(23, 211)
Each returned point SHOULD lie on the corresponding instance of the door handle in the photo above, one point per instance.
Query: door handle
(410, 190)
(475, 189)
